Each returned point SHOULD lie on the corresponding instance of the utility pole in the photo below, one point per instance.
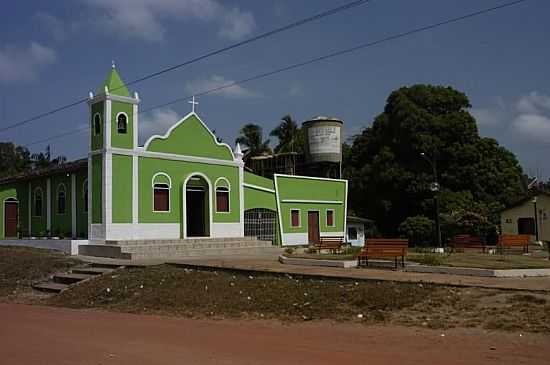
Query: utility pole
(434, 187)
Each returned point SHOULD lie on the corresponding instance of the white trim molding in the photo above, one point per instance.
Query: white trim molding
(141, 152)
(127, 121)
(153, 187)
(333, 218)
(184, 202)
(73, 205)
(256, 187)
(57, 191)
(228, 191)
(312, 201)
(49, 205)
(181, 121)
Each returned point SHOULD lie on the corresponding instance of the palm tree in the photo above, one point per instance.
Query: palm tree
(251, 136)
(289, 135)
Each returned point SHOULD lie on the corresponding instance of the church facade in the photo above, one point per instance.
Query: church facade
(182, 184)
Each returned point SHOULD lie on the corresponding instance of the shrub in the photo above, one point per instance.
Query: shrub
(418, 229)
(429, 259)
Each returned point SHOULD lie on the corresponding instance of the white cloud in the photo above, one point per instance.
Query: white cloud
(144, 19)
(534, 127)
(237, 24)
(157, 122)
(24, 63)
(533, 103)
(216, 81)
(487, 116)
(296, 89)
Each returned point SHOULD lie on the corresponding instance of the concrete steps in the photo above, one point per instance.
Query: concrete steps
(62, 281)
(156, 249)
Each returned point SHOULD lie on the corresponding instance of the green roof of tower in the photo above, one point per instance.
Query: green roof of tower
(115, 84)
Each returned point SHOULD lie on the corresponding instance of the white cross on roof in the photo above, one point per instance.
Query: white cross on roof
(193, 103)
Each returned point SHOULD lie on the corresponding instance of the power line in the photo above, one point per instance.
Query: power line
(325, 57)
(270, 33)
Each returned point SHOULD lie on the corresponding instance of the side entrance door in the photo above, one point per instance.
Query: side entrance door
(313, 227)
(10, 219)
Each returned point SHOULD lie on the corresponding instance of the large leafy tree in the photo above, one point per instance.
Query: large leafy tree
(389, 179)
(290, 136)
(13, 159)
(251, 137)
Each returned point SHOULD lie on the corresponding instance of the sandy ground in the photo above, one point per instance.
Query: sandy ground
(43, 335)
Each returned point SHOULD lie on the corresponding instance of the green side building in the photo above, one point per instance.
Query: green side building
(183, 184)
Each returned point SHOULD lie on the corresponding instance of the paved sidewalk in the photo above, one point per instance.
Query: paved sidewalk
(271, 265)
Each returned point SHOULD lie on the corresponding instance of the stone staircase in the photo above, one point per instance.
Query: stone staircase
(62, 281)
(169, 249)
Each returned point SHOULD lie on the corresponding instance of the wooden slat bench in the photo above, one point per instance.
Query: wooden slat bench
(332, 243)
(510, 241)
(383, 247)
(467, 241)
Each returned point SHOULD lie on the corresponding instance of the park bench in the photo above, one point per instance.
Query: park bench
(467, 241)
(381, 248)
(511, 241)
(331, 243)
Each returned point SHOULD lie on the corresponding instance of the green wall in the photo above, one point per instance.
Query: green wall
(61, 222)
(191, 138)
(39, 223)
(294, 188)
(259, 199)
(122, 189)
(254, 179)
(178, 172)
(81, 215)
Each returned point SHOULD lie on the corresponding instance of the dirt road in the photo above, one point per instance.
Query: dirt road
(41, 335)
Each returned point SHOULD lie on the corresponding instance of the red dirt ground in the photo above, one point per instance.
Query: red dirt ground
(43, 335)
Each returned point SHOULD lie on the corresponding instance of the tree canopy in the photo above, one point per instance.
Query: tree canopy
(251, 137)
(15, 159)
(389, 179)
(290, 136)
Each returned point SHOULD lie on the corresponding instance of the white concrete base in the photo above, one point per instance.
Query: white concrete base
(225, 230)
(70, 247)
(295, 239)
(314, 262)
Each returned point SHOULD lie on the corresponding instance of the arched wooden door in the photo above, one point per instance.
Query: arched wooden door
(10, 218)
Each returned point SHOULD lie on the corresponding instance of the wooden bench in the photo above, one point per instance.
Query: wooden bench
(510, 241)
(381, 247)
(467, 241)
(332, 243)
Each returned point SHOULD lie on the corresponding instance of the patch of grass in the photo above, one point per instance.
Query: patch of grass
(22, 266)
(482, 261)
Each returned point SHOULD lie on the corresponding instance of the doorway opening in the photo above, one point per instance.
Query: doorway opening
(11, 207)
(313, 227)
(197, 207)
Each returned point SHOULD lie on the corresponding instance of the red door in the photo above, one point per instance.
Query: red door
(10, 219)
(313, 227)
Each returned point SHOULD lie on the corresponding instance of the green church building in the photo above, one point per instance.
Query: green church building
(180, 185)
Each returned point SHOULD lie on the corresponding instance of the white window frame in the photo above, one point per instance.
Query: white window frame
(127, 122)
(169, 192)
(38, 188)
(333, 218)
(94, 131)
(228, 187)
(57, 198)
(299, 217)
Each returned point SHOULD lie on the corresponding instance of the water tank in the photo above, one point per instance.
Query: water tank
(324, 136)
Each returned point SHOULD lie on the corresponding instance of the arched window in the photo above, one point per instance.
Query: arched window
(122, 123)
(85, 196)
(222, 195)
(97, 124)
(38, 202)
(61, 199)
(161, 192)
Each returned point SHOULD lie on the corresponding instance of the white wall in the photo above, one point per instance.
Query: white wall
(360, 241)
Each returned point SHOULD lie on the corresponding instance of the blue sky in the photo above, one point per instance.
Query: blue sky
(55, 52)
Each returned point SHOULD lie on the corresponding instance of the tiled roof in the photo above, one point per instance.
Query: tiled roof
(44, 172)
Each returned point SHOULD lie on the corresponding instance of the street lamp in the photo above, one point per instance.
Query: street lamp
(536, 219)
(434, 187)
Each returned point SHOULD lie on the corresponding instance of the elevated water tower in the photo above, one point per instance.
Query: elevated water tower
(323, 152)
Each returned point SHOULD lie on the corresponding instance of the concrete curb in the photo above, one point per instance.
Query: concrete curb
(345, 264)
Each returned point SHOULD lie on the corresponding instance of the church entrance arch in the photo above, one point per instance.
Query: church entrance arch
(197, 217)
